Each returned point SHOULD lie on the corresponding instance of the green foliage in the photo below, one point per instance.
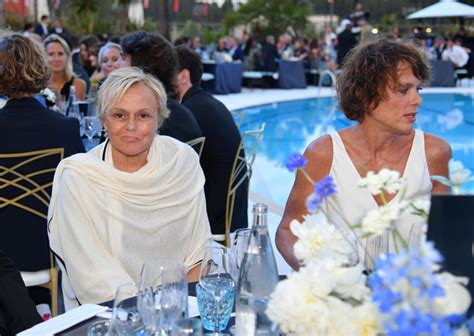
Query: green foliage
(280, 15)
(15, 22)
(191, 28)
(210, 36)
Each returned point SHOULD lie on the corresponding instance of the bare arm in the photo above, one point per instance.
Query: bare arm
(193, 274)
(438, 154)
(81, 87)
(319, 156)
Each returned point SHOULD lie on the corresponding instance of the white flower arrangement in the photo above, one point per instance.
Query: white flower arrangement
(331, 295)
(49, 96)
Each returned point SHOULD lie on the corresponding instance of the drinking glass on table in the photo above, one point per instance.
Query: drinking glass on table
(126, 319)
(91, 126)
(163, 294)
(238, 248)
(216, 289)
(187, 327)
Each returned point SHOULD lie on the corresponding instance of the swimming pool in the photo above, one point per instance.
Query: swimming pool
(291, 126)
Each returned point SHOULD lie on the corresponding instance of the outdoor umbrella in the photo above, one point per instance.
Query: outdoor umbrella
(444, 8)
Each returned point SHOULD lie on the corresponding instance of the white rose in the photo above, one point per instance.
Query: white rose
(378, 220)
(372, 182)
(456, 299)
(390, 180)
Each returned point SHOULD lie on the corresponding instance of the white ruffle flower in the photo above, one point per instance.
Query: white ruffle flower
(49, 95)
(317, 238)
(458, 175)
(386, 179)
(378, 220)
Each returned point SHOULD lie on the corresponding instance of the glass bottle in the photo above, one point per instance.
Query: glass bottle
(257, 279)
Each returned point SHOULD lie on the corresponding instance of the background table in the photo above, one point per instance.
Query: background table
(291, 75)
(442, 74)
(227, 77)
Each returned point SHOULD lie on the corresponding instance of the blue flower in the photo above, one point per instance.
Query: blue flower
(295, 161)
(322, 189)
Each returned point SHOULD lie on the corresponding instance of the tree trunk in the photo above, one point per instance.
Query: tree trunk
(2, 13)
(163, 15)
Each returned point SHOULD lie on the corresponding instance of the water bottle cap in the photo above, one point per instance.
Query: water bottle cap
(260, 208)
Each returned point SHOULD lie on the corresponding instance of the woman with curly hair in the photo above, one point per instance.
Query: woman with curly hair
(379, 89)
(60, 62)
(27, 126)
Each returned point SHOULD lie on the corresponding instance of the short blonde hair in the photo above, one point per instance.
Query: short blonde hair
(58, 39)
(120, 80)
(106, 47)
(23, 66)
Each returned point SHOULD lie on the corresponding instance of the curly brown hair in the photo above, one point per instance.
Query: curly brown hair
(371, 69)
(23, 66)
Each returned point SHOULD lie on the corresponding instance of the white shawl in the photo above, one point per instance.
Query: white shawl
(104, 223)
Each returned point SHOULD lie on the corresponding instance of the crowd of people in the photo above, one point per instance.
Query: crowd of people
(143, 193)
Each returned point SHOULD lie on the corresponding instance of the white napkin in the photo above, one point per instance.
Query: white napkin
(65, 321)
(193, 306)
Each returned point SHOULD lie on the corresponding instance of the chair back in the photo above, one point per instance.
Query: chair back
(241, 171)
(197, 144)
(25, 182)
(238, 118)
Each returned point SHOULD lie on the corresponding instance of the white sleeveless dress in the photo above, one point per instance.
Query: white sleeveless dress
(351, 203)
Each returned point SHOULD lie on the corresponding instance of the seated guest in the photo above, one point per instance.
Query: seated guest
(108, 56)
(222, 143)
(63, 77)
(235, 50)
(17, 311)
(85, 43)
(155, 55)
(136, 196)
(455, 54)
(25, 126)
(385, 109)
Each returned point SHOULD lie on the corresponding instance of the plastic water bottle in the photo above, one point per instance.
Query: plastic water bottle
(257, 280)
(72, 103)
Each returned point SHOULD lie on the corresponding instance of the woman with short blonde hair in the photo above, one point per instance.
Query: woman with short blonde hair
(135, 197)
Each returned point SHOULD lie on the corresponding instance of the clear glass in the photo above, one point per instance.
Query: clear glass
(126, 319)
(163, 294)
(187, 327)
(257, 280)
(216, 289)
(99, 328)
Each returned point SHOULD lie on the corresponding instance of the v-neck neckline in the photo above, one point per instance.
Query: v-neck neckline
(353, 167)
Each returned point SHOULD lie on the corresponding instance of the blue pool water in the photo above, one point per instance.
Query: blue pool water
(291, 126)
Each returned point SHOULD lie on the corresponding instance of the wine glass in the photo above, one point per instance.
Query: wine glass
(187, 327)
(90, 129)
(216, 289)
(126, 319)
(163, 294)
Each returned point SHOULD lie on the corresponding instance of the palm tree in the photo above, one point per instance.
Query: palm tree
(2, 13)
(163, 15)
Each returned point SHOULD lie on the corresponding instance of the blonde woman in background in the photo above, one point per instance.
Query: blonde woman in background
(60, 62)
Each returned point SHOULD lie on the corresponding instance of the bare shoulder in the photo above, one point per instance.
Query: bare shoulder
(438, 153)
(319, 155)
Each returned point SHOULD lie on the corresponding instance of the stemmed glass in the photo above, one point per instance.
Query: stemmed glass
(216, 289)
(90, 128)
(163, 294)
(126, 319)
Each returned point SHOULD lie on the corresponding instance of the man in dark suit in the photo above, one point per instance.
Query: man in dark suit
(17, 310)
(222, 143)
(41, 27)
(155, 55)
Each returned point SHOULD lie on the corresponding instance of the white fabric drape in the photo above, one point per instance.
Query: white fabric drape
(104, 223)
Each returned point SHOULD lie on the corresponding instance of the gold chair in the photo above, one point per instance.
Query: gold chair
(241, 171)
(197, 144)
(238, 118)
(26, 184)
